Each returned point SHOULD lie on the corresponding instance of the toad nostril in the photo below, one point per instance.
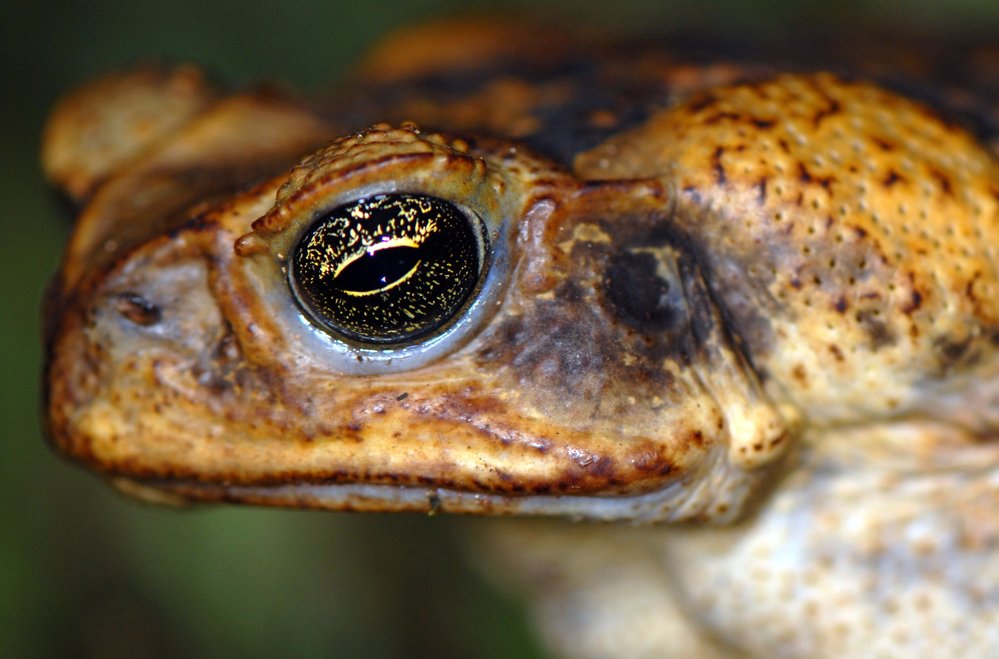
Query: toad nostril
(138, 309)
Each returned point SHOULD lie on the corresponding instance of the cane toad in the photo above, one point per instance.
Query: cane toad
(752, 309)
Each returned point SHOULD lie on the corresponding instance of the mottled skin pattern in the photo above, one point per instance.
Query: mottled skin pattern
(755, 309)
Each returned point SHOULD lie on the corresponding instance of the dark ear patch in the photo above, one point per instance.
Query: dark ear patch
(638, 296)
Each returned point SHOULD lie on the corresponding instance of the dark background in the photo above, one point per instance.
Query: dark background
(85, 572)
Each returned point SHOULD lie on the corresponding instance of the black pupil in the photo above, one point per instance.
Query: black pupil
(376, 270)
(388, 269)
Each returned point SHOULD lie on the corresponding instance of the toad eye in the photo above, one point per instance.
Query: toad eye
(389, 269)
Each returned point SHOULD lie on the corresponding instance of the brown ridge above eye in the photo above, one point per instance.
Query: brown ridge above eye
(388, 269)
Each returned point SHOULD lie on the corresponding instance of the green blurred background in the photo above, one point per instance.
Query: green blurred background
(85, 572)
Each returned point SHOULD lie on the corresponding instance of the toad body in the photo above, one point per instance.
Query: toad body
(753, 310)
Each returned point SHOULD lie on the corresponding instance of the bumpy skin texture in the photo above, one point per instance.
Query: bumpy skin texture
(756, 308)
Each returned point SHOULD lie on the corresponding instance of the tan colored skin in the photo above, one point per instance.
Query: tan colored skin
(760, 309)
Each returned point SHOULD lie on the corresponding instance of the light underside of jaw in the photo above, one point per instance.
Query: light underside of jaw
(671, 503)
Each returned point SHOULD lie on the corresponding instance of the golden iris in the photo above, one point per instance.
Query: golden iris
(389, 268)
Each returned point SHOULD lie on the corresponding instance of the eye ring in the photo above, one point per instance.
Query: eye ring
(389, 270)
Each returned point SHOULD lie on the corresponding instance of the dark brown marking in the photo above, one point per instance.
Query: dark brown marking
(807, 177)
(944, 180)
(877, 330)
(718, 117)
(834, 107)
(882, 143)
(892, 178)
(719, 169)
(915, 302)
(950, 351)
(702, 102)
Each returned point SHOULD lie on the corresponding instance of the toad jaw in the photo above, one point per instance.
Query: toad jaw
(592, 375)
